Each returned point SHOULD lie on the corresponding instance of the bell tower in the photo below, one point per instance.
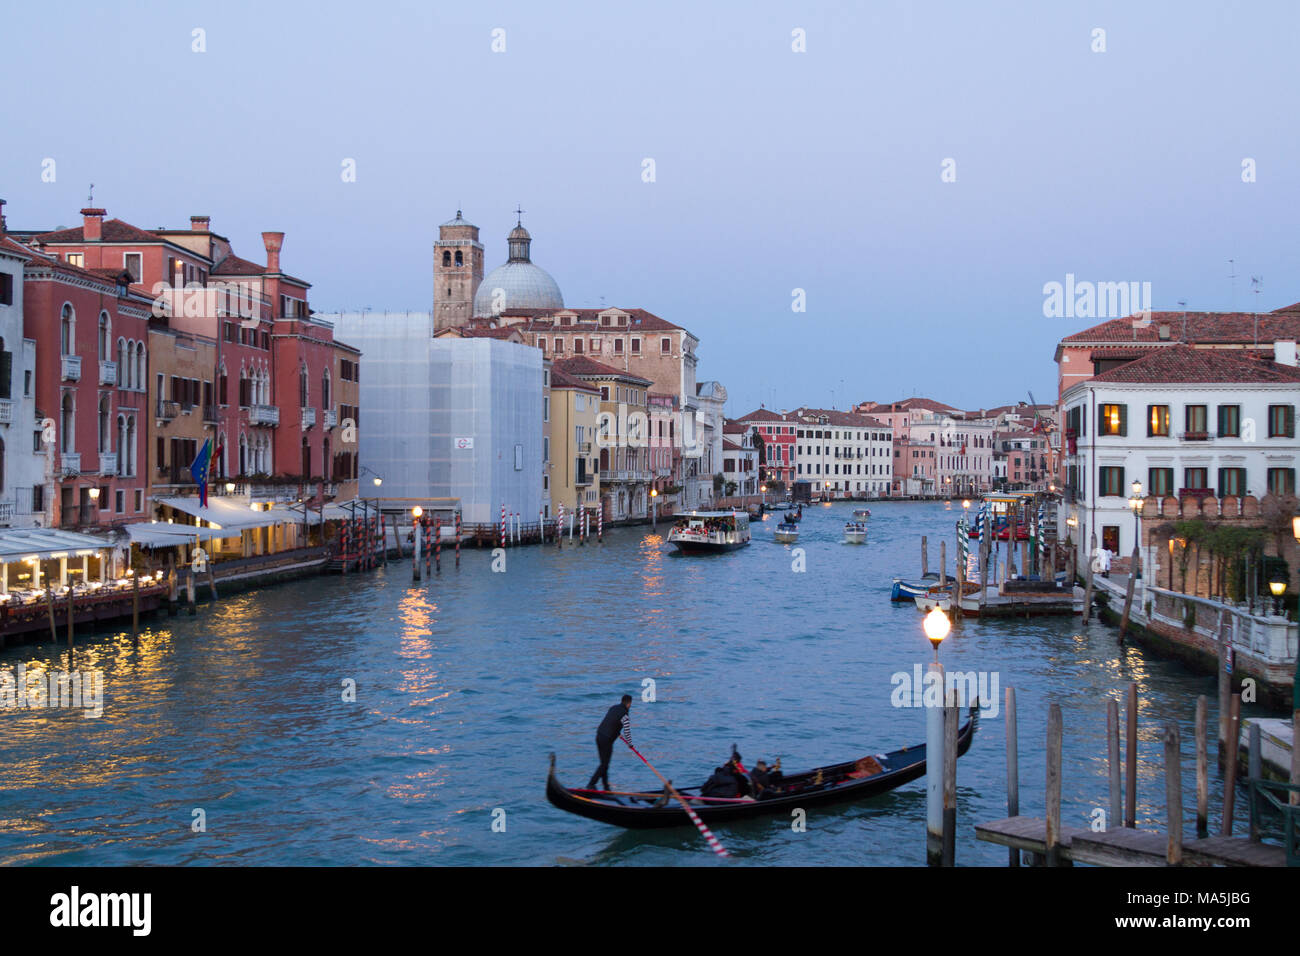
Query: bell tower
(457, 272)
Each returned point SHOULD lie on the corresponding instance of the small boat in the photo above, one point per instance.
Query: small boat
(861, 514)
(1022, 599)
(902, 591)
(786, 532)
(794, 517)
(836, 783)
(855, 532)
(705, 532)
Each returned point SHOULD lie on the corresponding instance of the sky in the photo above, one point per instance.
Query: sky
(919, 170)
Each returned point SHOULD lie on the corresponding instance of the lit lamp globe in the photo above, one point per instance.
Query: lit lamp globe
(1277, 587)
(378, 481)
(94, 494)
(654, 492)
(965, 504)
(936, 626)
(230, 487)
(417, 511)
(1295, 527)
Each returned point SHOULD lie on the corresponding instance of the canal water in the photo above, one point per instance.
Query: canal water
(229, 737)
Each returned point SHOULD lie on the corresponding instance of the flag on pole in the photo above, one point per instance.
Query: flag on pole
(199, 470)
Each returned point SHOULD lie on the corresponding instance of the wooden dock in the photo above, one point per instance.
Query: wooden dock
(1125, 847)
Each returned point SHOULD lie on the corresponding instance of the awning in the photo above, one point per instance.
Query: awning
(331, 511)
(18, 544)
(158, 534)
(230, 514)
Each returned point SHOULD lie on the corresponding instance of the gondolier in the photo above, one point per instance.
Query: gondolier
(616, 724)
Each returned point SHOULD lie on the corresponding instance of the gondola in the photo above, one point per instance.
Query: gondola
(648, 810)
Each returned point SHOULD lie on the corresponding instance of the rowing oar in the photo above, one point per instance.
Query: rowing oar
(709, 838)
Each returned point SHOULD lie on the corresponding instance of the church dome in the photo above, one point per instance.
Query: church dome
(518, 284)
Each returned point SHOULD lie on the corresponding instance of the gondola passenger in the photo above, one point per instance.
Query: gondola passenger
(721, 784)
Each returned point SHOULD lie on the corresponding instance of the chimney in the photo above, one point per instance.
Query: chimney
(92, 224)
(199, 223)
(1163, 332)
(2, 217)
(273, 241)
(1284, 353)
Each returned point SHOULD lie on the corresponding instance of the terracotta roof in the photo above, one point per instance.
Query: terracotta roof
(9, 247)
(728, 445)
(580, 365)
(639, 320)
(233, 265)
(561, 379)
(843, 419)
(483, 332)
(1238, 328)
(112, 230)
(764, 415)
(907, 404)
(735, 428)
(1185, 364)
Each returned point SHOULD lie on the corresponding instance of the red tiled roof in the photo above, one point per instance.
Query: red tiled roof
(233, 265)
(580, 365)
(728, 445)
(1186, 365)
(112, 230)
(483, 332)
(1237, 328)
(638, 319)
(764, 415)
(907, 404)
(837, 417)
(15, 248)
(561, 379)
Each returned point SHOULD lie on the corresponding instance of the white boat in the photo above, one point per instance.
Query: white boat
(861, 514)
(855, 532)
(702, 532)
(787, 532)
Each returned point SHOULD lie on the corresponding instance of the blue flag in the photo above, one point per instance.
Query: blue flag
(199, 470)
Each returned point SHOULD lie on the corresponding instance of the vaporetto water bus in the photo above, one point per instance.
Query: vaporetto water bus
(702, 532)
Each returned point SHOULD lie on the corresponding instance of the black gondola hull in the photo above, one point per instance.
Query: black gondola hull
(637, 812)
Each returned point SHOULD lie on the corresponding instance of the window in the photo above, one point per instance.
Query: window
(604, 393)
(6, 289)
(1194, 419)
(139, 499)
(618, 346)
(446, 259)
(665, 345)
(1110, 538)
(1281, 481)
(1194, 479)
(76, 259)
(119, 501)
(67, 324)
(636, 346)
(577, 346)
(1232, 481)
(595, 345)
(1157, 420)
(1160, 482)
(1111, 481)
(460, 258)
(1229, 421)
(131, 263)
(1281, 421)
(1114, 419)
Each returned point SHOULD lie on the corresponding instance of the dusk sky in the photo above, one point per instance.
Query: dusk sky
(775, 170)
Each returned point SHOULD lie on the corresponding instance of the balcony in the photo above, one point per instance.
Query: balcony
(331, 418)
(624, 474)
(210, 414)
(6, 412)
(175, 474)
(6, 511)
(73, 516)
(1195, 492)
(264, 415)
(308, 417)
(168, 410)
(72, 368)
(70, 463)
(107, 373)
(108, 463)
(1195, 436)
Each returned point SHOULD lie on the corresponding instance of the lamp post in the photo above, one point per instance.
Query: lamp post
(416, 512)
(1278, 588)
(936, 626)
(654, 508)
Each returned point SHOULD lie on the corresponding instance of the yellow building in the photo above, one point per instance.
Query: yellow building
(574, 465)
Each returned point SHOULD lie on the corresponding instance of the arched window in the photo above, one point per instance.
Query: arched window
(302, 385)
(459, 259)
(325, 389)
(105, 338)
(306, 459)
(243, 454)
(2, 464)
(221, 455)
(325, 459)
(121, 362)
(105, 424)
(128, 449)
(127, 360)
(67, 331)
(140, 366)
(446, 258)
(221, 385)
(121, 446)
(68, 416)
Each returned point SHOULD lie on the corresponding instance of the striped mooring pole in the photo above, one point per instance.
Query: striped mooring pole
(457, 540)
(503, 525)
(600, 524)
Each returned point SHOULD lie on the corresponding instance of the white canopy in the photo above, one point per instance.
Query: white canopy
(230, 514)
(159, 534)
(17, 544)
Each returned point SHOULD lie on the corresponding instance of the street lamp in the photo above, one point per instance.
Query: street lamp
(1278, 587)
(936, 627)
(654, 507)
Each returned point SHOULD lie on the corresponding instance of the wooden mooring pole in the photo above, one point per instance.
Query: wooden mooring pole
(135, 605)
(1087, 590)
(1053, 801)
(1230, 781)
(1253, 772)
(1225, 704)
(49, 606)
(950, 780)
(1112, 752)
(1174, 794)
(70, 610)
(1013, 769)
(1131, 760)
(934, 737)
(925, 567)
(1202, 768)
